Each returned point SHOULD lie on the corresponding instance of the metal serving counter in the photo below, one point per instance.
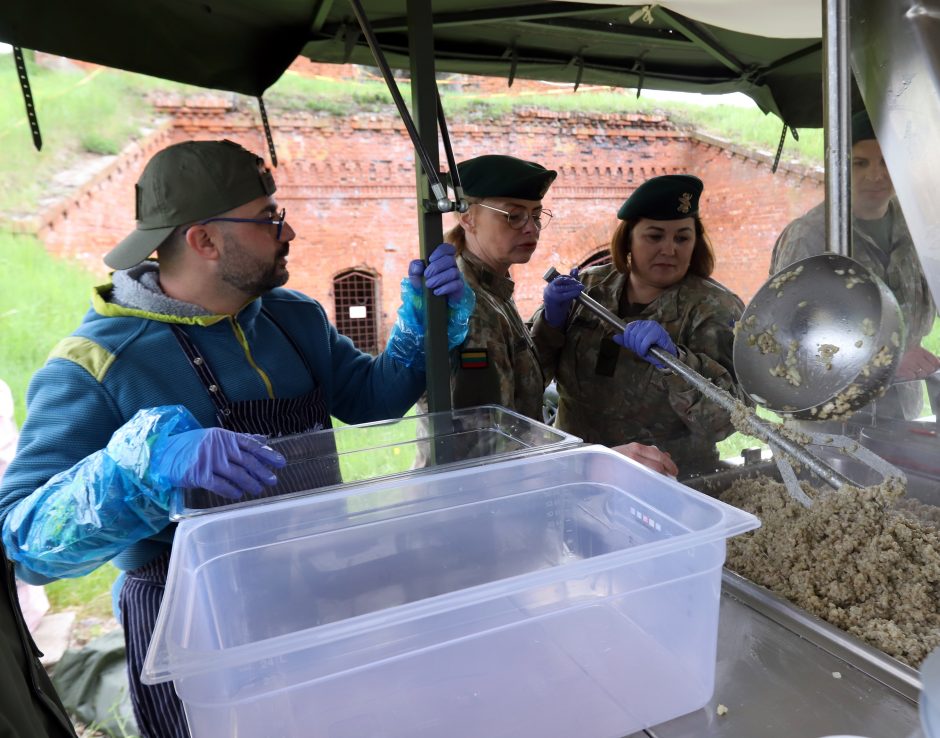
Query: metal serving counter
(783, 673)
(776, 674)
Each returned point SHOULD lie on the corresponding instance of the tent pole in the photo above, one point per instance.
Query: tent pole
(430, 225)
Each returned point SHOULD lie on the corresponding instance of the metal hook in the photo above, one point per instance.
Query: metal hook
(644, 13)
(578, 61)
(267, 131)
(27, 97)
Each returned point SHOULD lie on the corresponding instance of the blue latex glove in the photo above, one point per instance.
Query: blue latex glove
(558, 296)
(641, 335)
(221, 461)
(441, 275)
(443, 278)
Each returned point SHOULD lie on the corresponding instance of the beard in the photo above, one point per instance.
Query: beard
(248, 273)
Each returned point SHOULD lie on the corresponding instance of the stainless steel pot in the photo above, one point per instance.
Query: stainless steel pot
(819, 340)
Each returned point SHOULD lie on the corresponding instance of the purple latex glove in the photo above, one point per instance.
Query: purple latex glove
(441, 275)
(221, 461)
(641, 335)
(558, 296)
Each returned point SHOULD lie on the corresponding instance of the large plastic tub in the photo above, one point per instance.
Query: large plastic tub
(385, 449)
(569, 594)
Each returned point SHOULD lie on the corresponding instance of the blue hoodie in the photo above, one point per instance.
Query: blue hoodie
(121, 360)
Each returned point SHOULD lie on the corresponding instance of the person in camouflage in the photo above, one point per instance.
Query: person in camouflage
(882, 242)
(659, 284)
(498, 363)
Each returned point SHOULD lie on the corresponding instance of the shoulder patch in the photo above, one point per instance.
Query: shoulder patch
(90, 356)
(474, 358)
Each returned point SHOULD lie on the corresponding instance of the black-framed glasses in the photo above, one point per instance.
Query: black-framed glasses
(518, 217)
(278, 220)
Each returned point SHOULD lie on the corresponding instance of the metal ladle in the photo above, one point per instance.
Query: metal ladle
(819, 340)
(757, 427)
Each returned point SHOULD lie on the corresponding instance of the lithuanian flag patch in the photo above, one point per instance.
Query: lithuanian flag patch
(474, 358)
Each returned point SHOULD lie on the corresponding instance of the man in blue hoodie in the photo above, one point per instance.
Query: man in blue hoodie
(180, 370)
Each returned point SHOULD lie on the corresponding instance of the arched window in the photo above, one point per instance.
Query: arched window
(596, 259)
(354, 294)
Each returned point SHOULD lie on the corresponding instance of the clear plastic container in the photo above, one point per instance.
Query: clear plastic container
(929, 702)
(391, 448)
(568, 594)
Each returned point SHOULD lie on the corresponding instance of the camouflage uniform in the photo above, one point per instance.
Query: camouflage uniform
(805, 237)
(498, 363)
(608, 395)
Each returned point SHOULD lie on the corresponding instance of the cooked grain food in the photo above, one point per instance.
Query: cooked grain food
(856, 559)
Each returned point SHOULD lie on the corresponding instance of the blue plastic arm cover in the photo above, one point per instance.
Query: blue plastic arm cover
(406, 341)
(88, 514)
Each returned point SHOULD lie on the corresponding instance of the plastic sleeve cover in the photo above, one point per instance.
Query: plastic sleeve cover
(86, 515)
(406, 340)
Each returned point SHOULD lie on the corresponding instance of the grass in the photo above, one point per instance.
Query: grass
(42, 299)
(747, 127)
(89, 596)
(80, 114)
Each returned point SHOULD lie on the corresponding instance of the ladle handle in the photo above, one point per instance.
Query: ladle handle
(759, 428)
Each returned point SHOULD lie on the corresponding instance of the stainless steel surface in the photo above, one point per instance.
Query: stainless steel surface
(776, 662)
(785, 654)
(776, 675)
(837, 114)
(759, 428)
(833, 322)
(895, 50)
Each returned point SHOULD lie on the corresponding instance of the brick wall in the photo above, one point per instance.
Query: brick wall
(348, 186)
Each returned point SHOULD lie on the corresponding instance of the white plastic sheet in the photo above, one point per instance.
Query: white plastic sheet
(771, 18)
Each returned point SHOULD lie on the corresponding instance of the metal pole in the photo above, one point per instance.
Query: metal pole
(836, 79)
(430, 227)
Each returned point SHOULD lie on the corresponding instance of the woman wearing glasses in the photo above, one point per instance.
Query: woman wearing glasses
(659, 283)
(498, 363)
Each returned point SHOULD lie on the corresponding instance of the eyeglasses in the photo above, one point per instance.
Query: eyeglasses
(518, 217)
(278, 220)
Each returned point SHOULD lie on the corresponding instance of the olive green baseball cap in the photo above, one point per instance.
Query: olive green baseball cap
(669, 197)
(497, 175)
(185, 183)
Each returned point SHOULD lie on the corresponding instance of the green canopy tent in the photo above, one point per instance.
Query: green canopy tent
(244, 45)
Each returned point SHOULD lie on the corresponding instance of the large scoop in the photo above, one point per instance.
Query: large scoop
(819, 340)
(757, 427)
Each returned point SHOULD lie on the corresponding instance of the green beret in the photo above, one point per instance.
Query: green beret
(670, 197)
(861, 127)
(495, 175)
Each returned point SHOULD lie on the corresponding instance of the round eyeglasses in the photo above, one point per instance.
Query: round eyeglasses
(277, 220)
(518, 217)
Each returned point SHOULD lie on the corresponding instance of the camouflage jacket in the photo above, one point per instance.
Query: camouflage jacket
(903, 274)
(608, 395)
(497, 363)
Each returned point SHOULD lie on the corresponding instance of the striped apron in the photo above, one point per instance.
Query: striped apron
(158, 710)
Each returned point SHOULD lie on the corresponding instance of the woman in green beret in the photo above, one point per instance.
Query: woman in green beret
(498, 363)
(659, 283)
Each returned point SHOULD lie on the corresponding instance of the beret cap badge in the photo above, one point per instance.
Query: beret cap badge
(666, 197)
